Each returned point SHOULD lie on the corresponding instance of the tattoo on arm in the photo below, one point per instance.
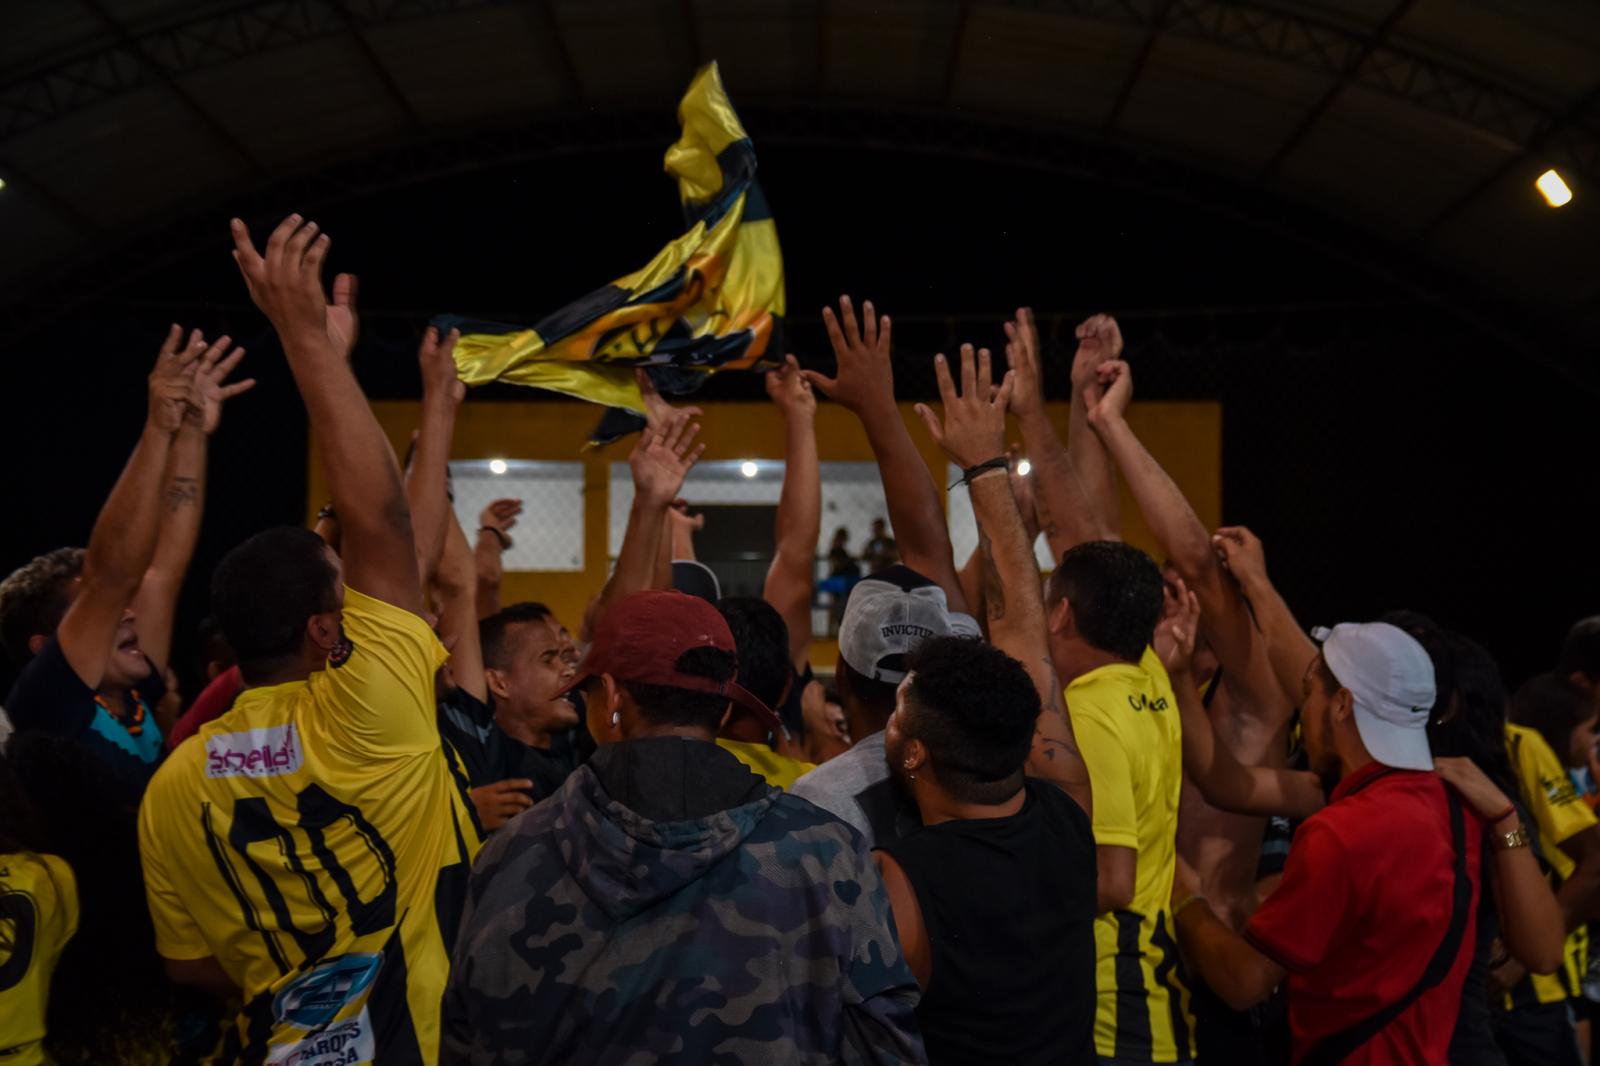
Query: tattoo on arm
(183, 492)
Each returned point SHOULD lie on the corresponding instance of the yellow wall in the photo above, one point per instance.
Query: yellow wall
(1185, 437)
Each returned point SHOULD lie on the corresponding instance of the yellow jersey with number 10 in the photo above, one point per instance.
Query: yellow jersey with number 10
(316, 840)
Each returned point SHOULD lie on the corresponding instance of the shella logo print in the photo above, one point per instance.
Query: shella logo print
(267, 752)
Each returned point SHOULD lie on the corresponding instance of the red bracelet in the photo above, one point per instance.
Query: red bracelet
(1503, 815)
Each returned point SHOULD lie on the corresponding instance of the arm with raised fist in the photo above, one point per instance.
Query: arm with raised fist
(790, 578)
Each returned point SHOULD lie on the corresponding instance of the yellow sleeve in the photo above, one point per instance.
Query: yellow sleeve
(1116, 817)
(1557, 809)
(178, 937)
(64, 920)
(376, 696)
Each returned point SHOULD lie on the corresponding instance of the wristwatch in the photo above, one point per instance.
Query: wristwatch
(1517, 838)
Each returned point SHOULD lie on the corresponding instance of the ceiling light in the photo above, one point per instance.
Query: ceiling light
(1024, 468)
(497, 466)
(2, 183)
(749, 468)
(1554, 190)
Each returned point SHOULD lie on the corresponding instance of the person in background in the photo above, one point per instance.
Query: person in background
(92, 630)
(841, 564)
(1551, 724)
(528, 665)
(1372, 924)
(685, 906)
(38, 916)
(881, 551)
(762, 741)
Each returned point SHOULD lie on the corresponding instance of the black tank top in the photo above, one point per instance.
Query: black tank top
(1009, 906)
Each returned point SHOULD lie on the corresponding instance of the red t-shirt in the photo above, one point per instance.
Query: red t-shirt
(212, 703)
(1364, 903)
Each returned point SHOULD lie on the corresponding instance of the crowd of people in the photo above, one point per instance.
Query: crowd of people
(1131, 813)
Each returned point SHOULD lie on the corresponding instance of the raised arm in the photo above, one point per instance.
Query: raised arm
(183, 500)
(457, 586)
(1074, 515)
(972, 433)
(1530, 918)
(1289, 648)
(660, 461)
(379, 554)
(799, 523)
(1226, 621)
(493, 540)
(1222, 779)
(124, 537)
(865, 385)
(426, 492)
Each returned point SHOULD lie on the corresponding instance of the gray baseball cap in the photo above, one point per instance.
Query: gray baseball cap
(888, 615)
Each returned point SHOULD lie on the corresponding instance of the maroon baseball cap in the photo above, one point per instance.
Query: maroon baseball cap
(643, 636)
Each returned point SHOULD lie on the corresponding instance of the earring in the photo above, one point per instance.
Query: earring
(616, 719)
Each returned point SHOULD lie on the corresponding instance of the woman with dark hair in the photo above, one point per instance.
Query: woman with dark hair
(1467, 734)
(38, 915)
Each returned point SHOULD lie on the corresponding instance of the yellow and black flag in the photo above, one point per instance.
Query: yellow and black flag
(711, 300)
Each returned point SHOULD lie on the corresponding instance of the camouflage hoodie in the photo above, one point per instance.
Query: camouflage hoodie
(668, 905)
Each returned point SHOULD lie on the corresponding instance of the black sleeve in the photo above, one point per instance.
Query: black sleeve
(467, 725)
(50, 697)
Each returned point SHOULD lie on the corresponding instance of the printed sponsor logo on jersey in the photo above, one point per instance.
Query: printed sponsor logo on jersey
(268, 752)
(1140, 702)
(316, 997)
(346, 1044)
(1560, 790)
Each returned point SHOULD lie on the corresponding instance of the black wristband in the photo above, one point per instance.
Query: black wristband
(999, 462)
(505, 541)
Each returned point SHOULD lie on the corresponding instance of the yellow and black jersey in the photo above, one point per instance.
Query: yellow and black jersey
(38, 915)
(1559, 814)
(316, 841)
(1125, 719)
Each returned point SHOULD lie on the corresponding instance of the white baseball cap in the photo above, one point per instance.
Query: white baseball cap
(888, 615)
(1391, 679)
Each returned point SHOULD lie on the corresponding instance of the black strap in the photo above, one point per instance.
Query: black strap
(1336, 1047)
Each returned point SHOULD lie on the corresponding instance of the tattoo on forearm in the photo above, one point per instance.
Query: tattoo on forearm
(183, 492)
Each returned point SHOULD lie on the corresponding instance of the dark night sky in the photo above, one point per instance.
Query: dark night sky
(1390, 453)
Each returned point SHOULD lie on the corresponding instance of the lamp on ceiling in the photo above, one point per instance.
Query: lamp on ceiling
(1553, 189)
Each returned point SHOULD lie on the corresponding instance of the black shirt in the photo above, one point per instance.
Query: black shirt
(489, 754)
(1009, 907)
(50, 697)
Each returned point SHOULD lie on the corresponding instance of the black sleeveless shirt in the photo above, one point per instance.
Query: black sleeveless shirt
(1009, 907)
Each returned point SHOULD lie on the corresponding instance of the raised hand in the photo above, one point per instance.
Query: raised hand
(1022, 489)
(662, 458)
(1175, 634)
(172, 380)
(1022, 355)
(436, 359)
(500, 516)
(788, 388)
(657, 411)
(1115, 384)
(343, 321)
(865, 380)
(974, 429)
(207, 389)
(1241, 554)
(682, 519)
(1099, 342)
(286, 280)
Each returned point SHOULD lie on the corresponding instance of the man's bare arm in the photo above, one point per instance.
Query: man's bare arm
(865, 385)
(974, 425)
(379, 553)
(493, 540)
(790, 578)
(457, 587)
(124, 538)
(426, 491)
(1289, 648)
